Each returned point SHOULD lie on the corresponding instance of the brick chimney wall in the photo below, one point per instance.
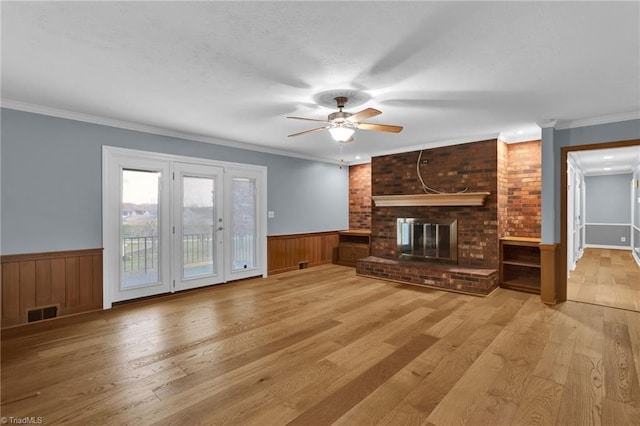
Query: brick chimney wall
(451, 168)
(503, 188)
(518, 181)
(524, 175)
(360, 196)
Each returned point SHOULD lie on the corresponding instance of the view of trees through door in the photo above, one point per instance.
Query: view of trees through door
(139, 227)
(197, 226)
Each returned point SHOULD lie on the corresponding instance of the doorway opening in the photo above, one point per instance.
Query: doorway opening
(600, 224)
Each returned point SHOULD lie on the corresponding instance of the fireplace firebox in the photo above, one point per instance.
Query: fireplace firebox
(428, 239)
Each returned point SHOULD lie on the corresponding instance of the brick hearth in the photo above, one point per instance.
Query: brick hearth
(477, 281)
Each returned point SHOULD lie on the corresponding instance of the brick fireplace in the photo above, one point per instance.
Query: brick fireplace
(474, 167)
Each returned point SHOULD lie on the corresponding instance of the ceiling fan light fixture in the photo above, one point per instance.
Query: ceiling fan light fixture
(341, 134)
(342, 124)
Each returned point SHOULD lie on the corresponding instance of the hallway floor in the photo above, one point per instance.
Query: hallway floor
(606, 277)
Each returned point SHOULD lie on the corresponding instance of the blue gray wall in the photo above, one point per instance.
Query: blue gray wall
(552, 141)
(608, 210)
(51, 182)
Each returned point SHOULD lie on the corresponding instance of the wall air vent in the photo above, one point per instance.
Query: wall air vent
(42, 313)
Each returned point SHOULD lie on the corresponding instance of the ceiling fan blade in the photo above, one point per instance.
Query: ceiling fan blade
(380, 127)
(310, 131)
(363, 115)
(309, 119)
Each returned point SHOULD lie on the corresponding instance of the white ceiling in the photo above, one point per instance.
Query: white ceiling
(446, 71)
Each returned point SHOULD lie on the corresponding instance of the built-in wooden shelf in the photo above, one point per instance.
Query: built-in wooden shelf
(526, 264)
(520, 266)
(353, 245)
(456, 199)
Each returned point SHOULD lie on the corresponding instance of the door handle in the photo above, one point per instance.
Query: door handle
(220, 228)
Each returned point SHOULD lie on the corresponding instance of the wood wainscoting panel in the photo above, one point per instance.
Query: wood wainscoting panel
(85, 273)
(97, 280)
(27, 286)
(287, 252)
(10, 290)
(550, 293)
(43, 282)
(58, 280)
(70, 280)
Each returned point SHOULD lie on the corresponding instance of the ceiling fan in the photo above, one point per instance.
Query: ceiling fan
(342, 124)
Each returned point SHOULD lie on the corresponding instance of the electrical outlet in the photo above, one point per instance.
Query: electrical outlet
(271, 214)
(623, 239)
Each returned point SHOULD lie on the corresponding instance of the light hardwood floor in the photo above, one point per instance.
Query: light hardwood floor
(321, 346)
(606, 277)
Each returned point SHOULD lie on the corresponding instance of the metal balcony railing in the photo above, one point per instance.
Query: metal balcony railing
(140, 254)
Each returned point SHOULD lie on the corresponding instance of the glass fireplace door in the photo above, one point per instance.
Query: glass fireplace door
(419, 238)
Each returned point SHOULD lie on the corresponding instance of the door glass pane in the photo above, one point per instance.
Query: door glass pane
(243, 224)
(139, 228)
(198, 194)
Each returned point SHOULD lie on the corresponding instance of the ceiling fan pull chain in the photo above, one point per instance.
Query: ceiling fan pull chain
(341, 156)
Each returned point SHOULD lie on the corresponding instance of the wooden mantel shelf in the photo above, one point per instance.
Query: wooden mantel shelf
(456, 199)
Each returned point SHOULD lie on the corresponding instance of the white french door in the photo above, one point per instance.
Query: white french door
(243, 251)
(198, 236)
(139, 228)
(175, 223)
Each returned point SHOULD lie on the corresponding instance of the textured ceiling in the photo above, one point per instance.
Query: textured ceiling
(446, 71)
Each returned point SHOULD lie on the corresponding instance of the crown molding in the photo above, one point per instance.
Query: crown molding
(127, 125)
(523, 137)
(137, 127)
(594, 121)
(359, 162)
(547, 123)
